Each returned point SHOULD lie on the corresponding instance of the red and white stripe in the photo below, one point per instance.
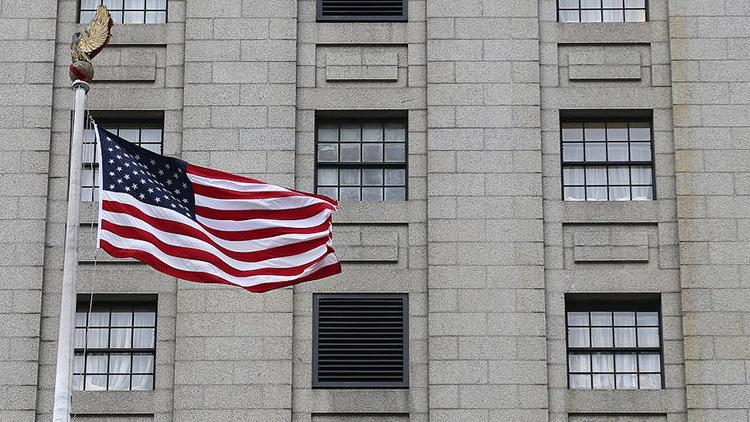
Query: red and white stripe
(248, 233)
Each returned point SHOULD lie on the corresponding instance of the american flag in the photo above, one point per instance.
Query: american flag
(208, 226)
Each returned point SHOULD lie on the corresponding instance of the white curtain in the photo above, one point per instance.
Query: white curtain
(603, 366)
(96, 364)
(119, 363)
(650, 363)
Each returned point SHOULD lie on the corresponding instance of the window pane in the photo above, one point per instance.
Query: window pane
(645, 193)
(99, 319)
(349, 194)
(596, 151)
(574, 194)
(89, 4)
(144, 319)
(328, 153)
(117, 18)
(602, 362)
(119, 363)
(96, 364)
(143, 338)
(156, 4)
(98, 338)
(372, 133)
(601, 337)
(119, 338)
(329, 192)
(636, 4)
(649, 362)
(650, 381)
(395, 153)
(573, 176)
(395, 194)
(372, 194)
(572, 132)
(612, 15)
(569, 16)
(624, 318)
(578, 319)
(596, 194)
(591, 4)
(350, 177)
(96, 382)
(113, 4)
(372, 153)
(626, 381)
(640, 151)
(626, 363)
(372, 177)
(156, 17)
(619, 176)
(579, 363)
(572, 151)
(122, 319)
(624, 337)
(350, 133)
(648, 319)
(604, 381)
(601, 318)
(568, 4)
(578, 337)
(328, 177)
(132, 135)
(80, 338)
(143, 382)
(328, 133)
(395, 177)
(143, 364)
(395, 132)
(350, 153)
(591, 16)
(580, 381)
(611, 3)
(617, 151)
(635, 16)
(135, 4)
(648, 337)
(621, 193)
(596, 176)
(119, 382)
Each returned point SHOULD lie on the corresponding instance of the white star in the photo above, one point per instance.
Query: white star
(142, 196)
(157, 199)
(119, 181)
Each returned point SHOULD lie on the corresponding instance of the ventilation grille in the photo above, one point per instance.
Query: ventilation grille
(360, 341)
(356, 10)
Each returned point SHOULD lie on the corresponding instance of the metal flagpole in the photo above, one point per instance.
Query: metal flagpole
(85, 46)
(64, 377)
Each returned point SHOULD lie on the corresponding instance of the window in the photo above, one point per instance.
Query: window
(601, 10)
(126, 11)
(360, 340)
(141, 130)
(115, 345)
(607, 160)
(361, 160)
(362, 10)
(614, 342)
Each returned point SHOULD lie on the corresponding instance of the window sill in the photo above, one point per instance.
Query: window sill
(624, 401)
(120, 402)
(610, 212)
(372, 212)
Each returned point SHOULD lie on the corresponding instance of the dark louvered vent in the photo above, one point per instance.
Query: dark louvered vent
(362, 10)
(360, 340)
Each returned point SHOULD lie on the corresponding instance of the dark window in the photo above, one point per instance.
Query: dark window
(607, 159)
(126, 11)
(614, 342)
(361, 160)
(362, 10)
(115, 345)
(360, 340)
(145, 131)
(601, 10)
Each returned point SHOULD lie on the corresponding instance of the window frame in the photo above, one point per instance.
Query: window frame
(602, 9)
(112, 304)
(361, 383)
(321, 15)
(114, 12)
(614, 302)
(114, 121)
(605, 119)
(361, 165)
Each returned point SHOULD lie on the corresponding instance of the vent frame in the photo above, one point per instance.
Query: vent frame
(380, 363)
(362, 10)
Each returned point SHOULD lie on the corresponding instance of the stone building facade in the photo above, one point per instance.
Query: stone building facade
(565, 222)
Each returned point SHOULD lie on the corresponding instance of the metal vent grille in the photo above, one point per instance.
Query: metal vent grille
(360, 341)
(359, 10)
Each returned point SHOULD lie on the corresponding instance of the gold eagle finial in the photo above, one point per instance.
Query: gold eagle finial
(87, 44)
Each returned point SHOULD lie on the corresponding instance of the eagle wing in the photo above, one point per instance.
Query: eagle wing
(97, 33)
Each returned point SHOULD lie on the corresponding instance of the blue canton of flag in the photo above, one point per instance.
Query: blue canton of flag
(149, 177)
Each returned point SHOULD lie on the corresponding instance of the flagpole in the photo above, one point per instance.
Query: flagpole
(64, 378)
